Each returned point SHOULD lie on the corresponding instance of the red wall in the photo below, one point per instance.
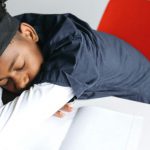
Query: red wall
(129, 20)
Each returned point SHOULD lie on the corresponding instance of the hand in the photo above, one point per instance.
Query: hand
(66, 108)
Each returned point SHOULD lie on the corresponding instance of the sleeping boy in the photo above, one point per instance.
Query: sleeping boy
(64, 50)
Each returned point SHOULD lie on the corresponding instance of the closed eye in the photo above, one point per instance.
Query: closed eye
(19, 68)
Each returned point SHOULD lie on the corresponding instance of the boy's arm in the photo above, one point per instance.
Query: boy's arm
(35, 105)
(8, 96)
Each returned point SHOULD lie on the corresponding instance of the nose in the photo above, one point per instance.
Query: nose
(21, 80)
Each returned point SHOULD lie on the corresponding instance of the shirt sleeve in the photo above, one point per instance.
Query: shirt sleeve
(71, 63)
(34, 105)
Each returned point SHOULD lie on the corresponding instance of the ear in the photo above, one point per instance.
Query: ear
(28, 32)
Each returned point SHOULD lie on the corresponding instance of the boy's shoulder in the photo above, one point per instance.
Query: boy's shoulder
(51, 24)
(55, 20)
(37, 18)
(34, 16)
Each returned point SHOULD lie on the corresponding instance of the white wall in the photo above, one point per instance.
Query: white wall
(89, 10)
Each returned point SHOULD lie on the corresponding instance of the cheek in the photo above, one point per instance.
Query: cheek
(33, 59)
(34, 71)
(33, 67)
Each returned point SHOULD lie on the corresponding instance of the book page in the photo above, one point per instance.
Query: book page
(49, 135)
(46, 136)
(95, 128)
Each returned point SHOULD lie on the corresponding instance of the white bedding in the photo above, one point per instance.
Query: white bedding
(27, 122)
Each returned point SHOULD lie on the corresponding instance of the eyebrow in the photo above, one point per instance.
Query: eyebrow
(11, 65)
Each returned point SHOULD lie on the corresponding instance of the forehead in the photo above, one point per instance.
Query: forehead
(7, 57)
(9, 53)
(15, 47)
(5, 62)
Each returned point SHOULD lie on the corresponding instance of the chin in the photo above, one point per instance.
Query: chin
(16, 91)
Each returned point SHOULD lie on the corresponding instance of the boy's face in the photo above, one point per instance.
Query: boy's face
(21, 60)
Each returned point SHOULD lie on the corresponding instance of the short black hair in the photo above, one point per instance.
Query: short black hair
(8, 26)
(3, 10)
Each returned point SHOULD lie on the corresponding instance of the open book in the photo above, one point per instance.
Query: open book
(87, 128)
(95, 128)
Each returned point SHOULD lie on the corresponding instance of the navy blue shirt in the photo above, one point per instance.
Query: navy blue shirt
(94, 64)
